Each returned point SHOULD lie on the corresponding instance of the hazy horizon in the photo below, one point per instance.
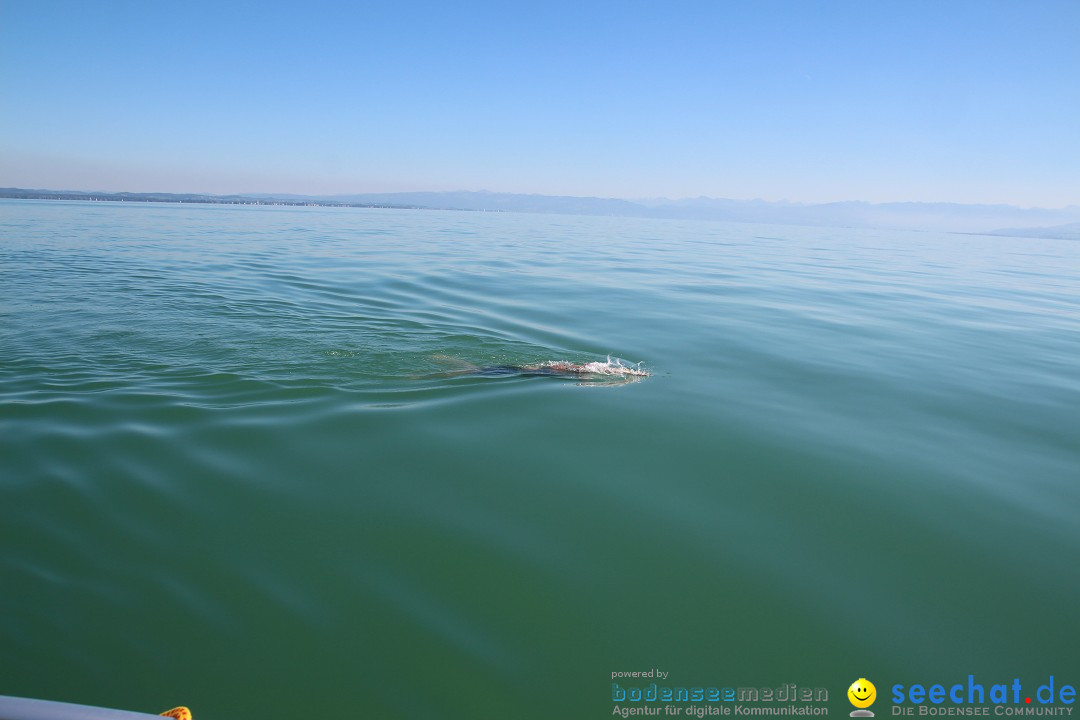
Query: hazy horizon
(644, 201)
(7, 181)
(967, 102)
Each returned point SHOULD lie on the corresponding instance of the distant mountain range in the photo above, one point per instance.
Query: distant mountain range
(950, 217)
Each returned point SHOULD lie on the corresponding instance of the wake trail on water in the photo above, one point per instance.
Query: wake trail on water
(612, 369)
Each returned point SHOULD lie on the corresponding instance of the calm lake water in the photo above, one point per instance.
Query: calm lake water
(237, 473)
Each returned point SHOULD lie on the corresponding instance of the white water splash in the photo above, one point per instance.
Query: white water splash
(613, 366)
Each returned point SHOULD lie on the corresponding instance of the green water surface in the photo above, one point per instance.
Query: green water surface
(237, 470)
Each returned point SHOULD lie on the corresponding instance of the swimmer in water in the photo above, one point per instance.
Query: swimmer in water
(610, 370)
(562, 368)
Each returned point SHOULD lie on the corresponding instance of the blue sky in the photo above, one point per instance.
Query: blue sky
(807, 101)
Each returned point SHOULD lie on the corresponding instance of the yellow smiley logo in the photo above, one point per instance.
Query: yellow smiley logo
(862, 693)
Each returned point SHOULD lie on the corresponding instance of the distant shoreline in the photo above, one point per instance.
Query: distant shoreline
(184, 198)
(1006, 220)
